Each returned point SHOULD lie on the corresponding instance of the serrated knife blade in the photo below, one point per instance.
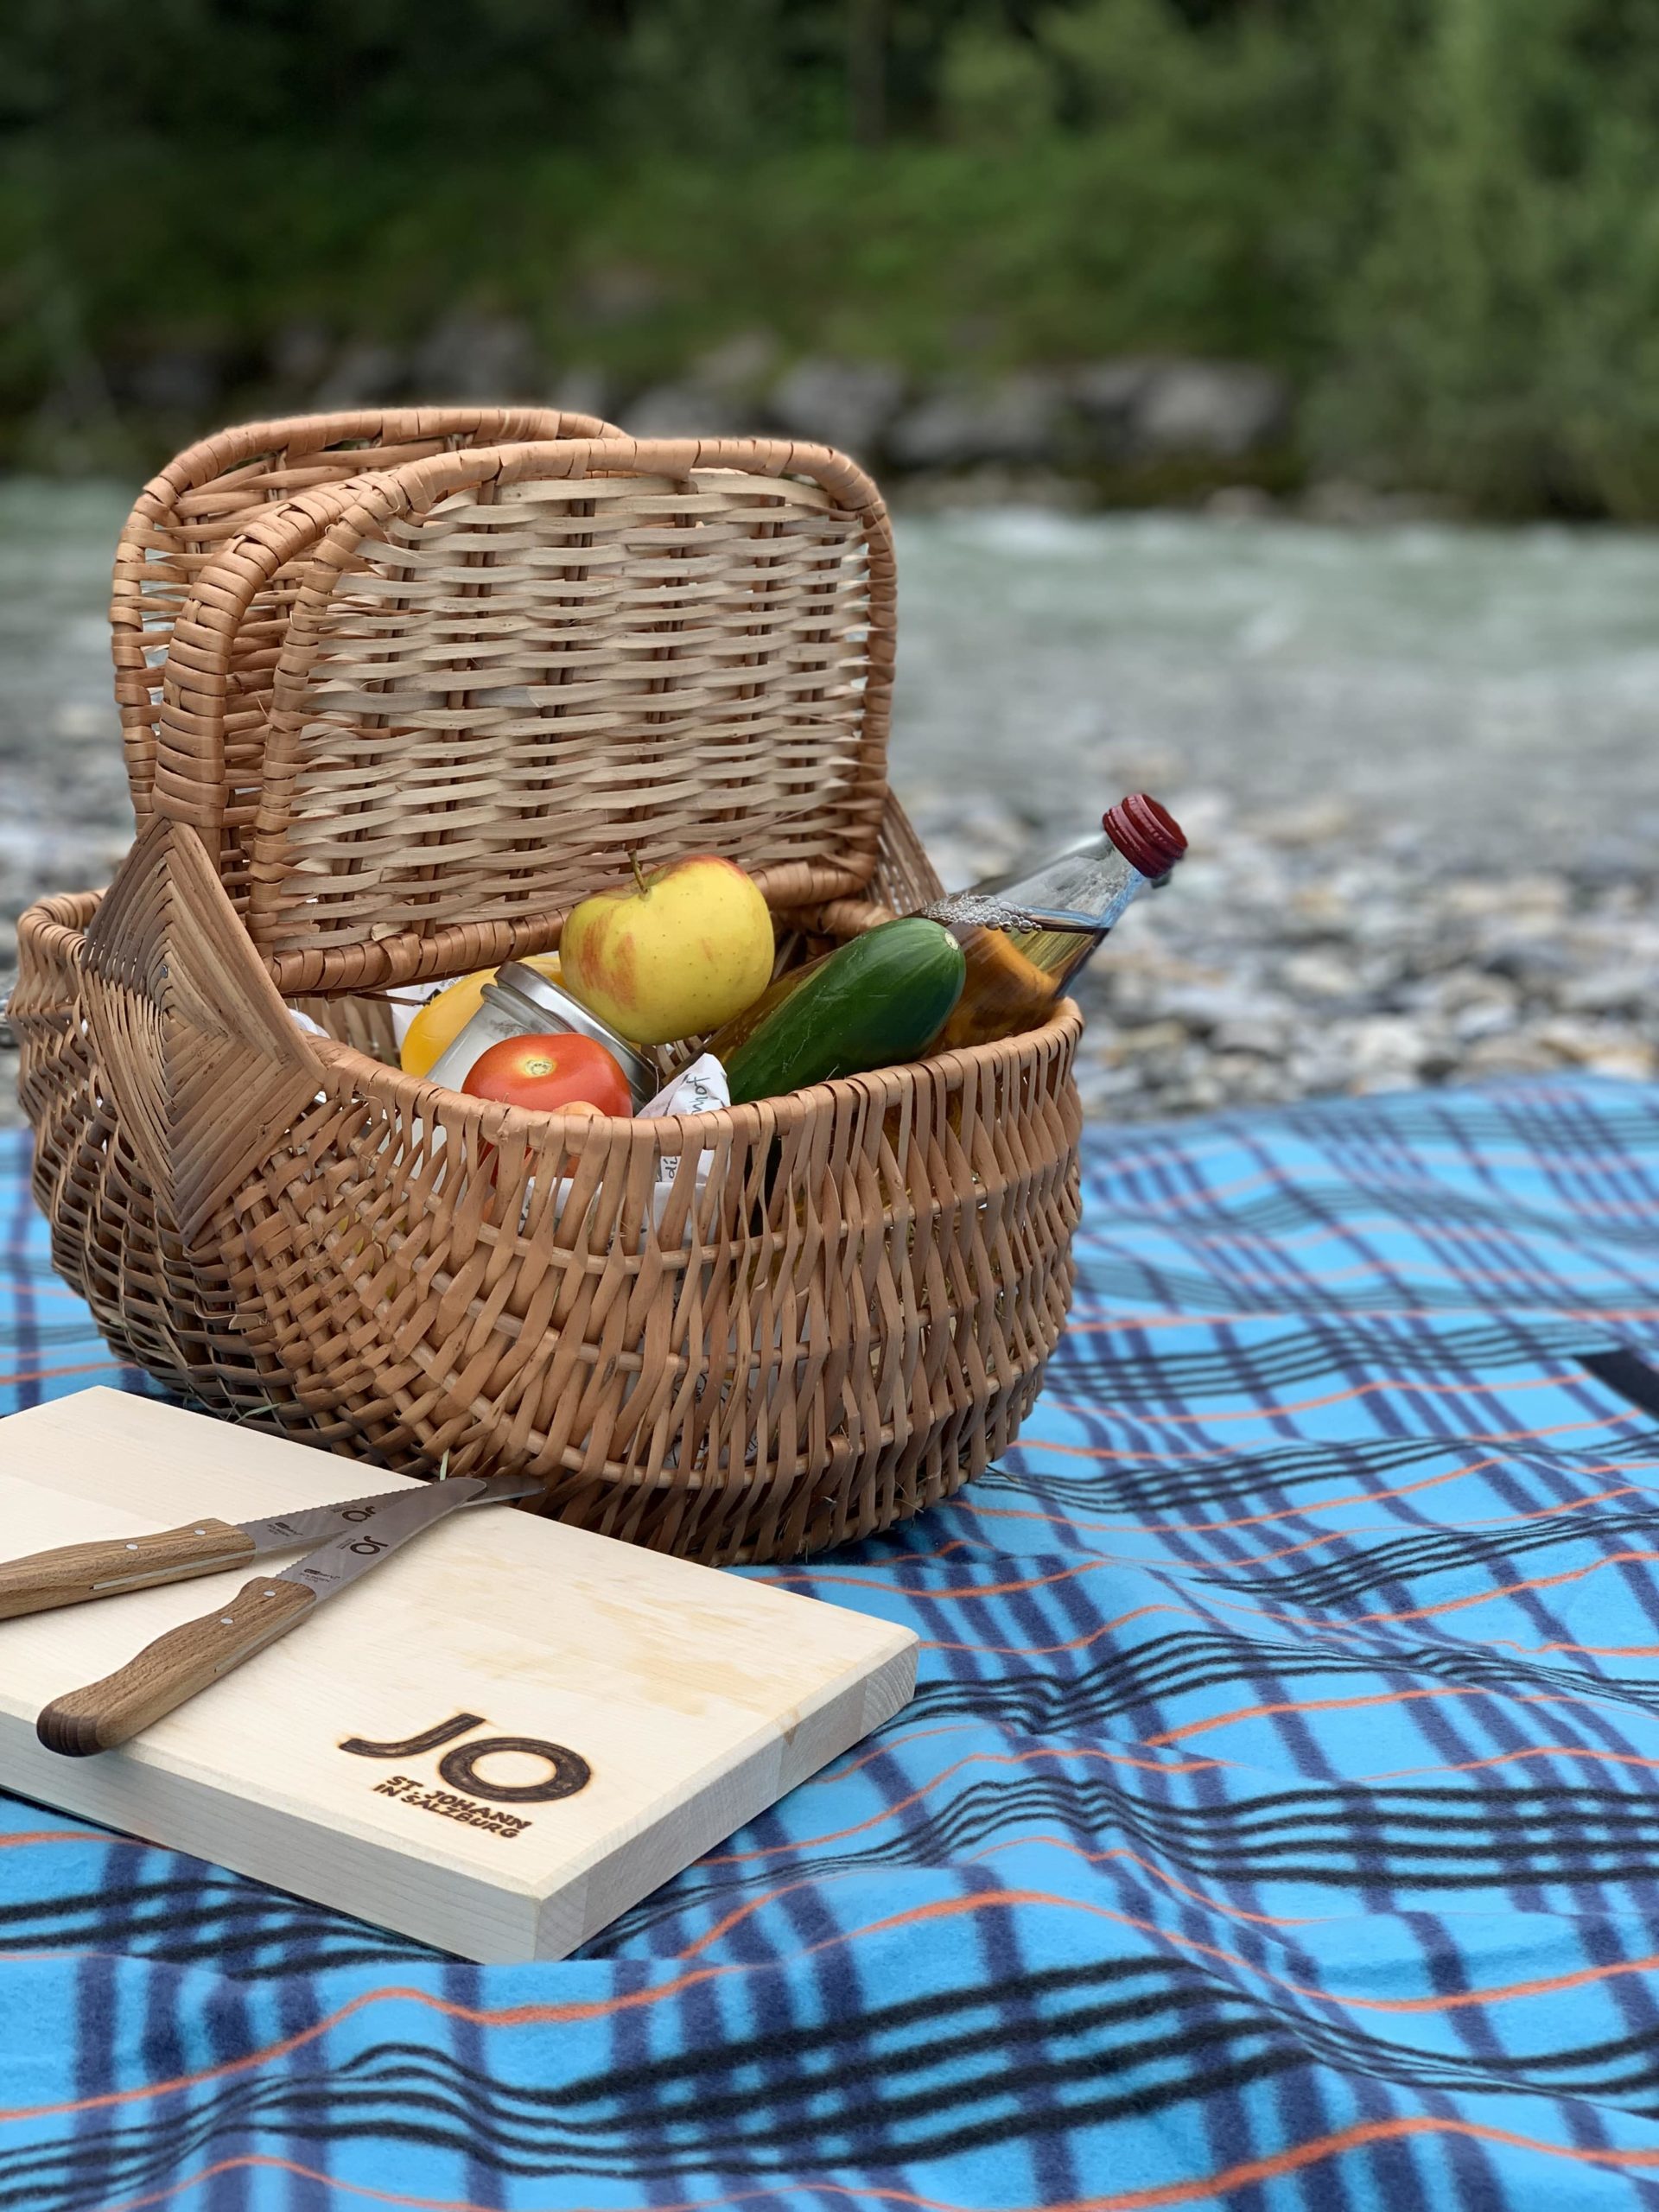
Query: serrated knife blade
(317, 1524)
(366, 1529)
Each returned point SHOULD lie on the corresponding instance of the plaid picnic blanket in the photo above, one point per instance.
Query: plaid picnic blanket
(1274, 1825)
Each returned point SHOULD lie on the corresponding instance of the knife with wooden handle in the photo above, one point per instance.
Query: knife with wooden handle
(177, 1665)
(172, 1669)
(74, 1573)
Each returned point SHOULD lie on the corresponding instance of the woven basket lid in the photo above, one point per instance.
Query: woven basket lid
(508, 676)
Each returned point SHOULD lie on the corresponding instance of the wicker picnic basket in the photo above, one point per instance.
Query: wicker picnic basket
(487, 679)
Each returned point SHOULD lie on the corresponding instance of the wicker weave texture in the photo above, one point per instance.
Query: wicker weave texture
(187, 514)
(493, 711)
(819, 1339)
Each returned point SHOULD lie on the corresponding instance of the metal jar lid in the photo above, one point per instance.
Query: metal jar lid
(517, 986)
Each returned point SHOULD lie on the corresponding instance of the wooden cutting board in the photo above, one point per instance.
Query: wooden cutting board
(501, 1642)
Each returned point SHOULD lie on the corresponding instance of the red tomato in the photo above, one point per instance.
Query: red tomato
(549, 1074)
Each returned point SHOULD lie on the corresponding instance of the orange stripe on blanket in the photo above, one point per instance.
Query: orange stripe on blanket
(44, 1374)
(1196, 1319)
(1512, 1589)
(1027, 1441)
(1507, 1758)
(552, 2014)
(70, 1835)
(1350, 1704)
(1073, 1644)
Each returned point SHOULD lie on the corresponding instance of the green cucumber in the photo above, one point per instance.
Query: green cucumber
(879, 999)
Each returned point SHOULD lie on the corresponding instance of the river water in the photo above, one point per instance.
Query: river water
(1493, 691)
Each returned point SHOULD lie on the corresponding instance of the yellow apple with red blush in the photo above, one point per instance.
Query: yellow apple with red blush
(674, 953)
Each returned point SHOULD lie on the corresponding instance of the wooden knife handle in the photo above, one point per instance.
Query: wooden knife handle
(75, 1572)
(172, 1669)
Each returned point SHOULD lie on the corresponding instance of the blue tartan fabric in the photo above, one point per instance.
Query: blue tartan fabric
(1274, 1825)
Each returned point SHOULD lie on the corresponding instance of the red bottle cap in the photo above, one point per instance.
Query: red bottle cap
(1147, 835)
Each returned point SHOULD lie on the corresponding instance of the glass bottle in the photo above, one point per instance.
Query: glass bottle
(1026, 934)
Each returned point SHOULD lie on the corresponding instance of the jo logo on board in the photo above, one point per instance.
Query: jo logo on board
(464, 1767)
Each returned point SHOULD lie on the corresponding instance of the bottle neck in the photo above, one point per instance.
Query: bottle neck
(1083, 888)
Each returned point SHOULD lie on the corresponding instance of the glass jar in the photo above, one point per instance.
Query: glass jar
(522, 1003)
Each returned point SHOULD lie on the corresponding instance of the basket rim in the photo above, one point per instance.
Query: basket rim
(240, 443)
(744, 1123)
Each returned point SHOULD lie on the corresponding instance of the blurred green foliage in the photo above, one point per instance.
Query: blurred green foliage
(1438, 216)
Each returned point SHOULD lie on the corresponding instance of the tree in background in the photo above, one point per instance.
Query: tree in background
(1500, 337)
(1435, 215)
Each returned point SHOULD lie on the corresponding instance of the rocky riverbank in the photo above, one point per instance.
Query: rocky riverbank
(1290, 957)
(1420, 769)
(1293, 957)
